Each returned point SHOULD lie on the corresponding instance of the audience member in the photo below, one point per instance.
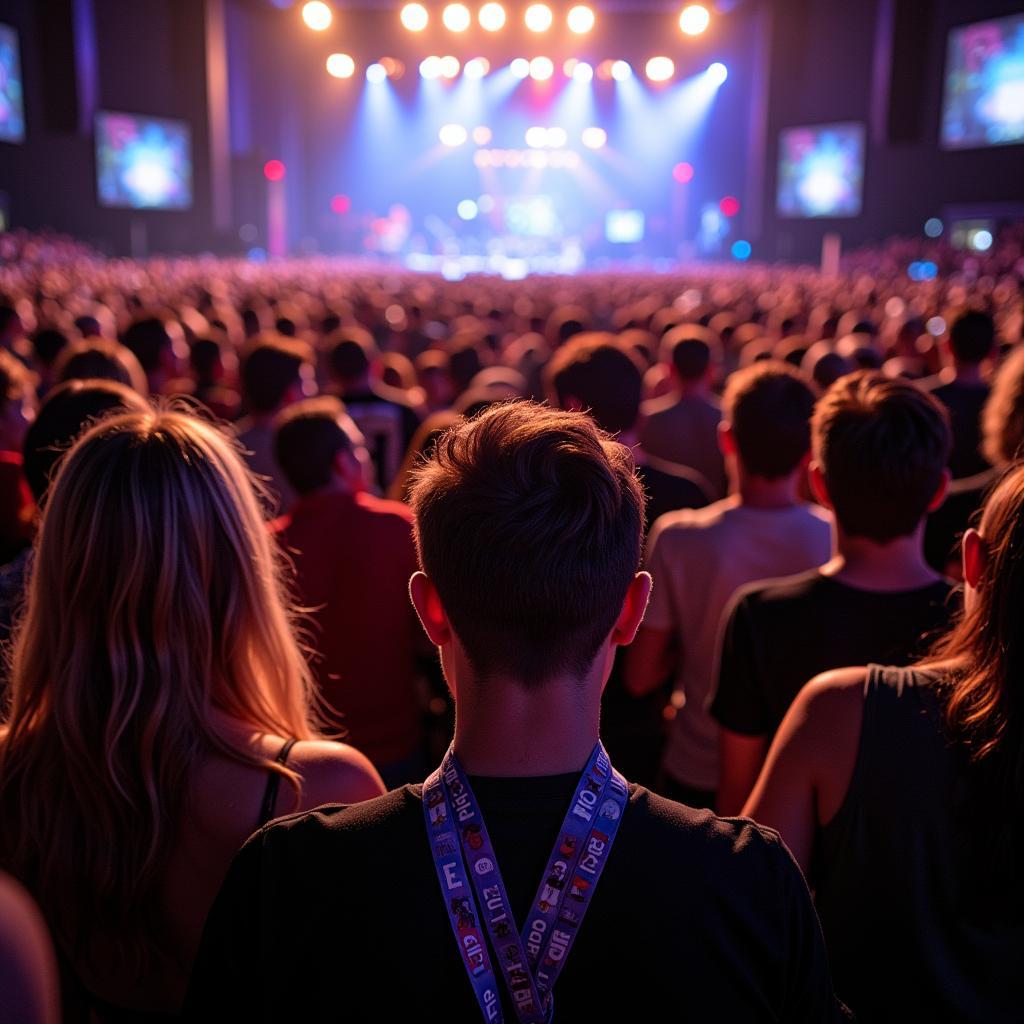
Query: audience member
(149, 339)
(699, 559)
(158, 698)
(880, 448)
(29, 982)
(899, 791)
(100, 359)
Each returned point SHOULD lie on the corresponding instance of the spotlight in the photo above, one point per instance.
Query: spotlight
(467, 209)
(541, 68)
(450, 67)
(492, 17)
(594, 138)
(729, 205)
(317, 15)
(741, 249)
(274, 170)
(556, 138)
(482, 135)
(341, 204)
(580, 19)
(694, 19)
(477, 67)
(520, 68)
(536, 137)
(933, 227)
(980, 241)
(340, 65)
(717, 72)
(430, 67)
(415, 17)
(683, 173)
(660, 69)
(582, 72)
(538, 17)
(621, 71)
(452, 135)
(456, 17)
(376, 73)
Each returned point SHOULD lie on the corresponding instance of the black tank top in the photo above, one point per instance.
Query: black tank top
(273, 784)
(912, 936)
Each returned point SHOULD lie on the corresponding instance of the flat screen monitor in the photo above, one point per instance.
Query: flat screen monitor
(983, 96)
(143, 162)
(12, 109)
(821, 170)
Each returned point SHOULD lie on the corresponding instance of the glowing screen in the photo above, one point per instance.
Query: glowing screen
(821, 170)
(143, 162)
(12, 111)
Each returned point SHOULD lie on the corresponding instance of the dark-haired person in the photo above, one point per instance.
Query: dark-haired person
(100, 359)
(699, 559)
(595, 373)
(276, 372)
(682, 426)
(963, 389)
(149, 339)
(353, 556)
(529, 526)
(901, 793)
(383, 414)
(17, 408)
(206, 359)
(880, 448)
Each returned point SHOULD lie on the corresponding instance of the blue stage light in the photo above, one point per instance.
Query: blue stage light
(582, 72)
(467, 209)
(621, 71)
(376, 73)
(741, 249)
(520, 68)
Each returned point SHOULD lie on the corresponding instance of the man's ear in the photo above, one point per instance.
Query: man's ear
(633, 609)
(818, 488)
(975, 555)
(726, 438)
(427, 602)
(941, 491)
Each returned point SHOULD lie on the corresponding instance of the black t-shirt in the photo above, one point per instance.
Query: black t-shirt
(337, 914)
(965, 403)
(670, 487)
(780, 635)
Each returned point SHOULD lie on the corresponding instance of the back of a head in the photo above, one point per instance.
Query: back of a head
(271, 367)
(882, 444)
(1002, 420)
(528, 522)
(100, 359)
(602, 376)
(68, 409)
(768, 406)
(147, 339)
(350, 351)
(307, 438)
(972, 337)
(691, 350)
(206, 359)
(48, 344)
(464, 362)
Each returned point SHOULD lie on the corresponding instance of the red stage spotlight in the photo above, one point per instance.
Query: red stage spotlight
(341, 204)
(273, 170)
(729, 206)
(683, 173)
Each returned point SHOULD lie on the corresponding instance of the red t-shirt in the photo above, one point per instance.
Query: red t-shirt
(354, 555)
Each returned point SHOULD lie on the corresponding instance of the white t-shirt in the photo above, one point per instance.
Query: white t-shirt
(699, 558)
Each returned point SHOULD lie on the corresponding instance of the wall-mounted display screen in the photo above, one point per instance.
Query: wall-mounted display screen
(143, 162)
(12, 108)
(821, 170)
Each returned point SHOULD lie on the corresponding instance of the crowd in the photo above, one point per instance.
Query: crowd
(275, 536)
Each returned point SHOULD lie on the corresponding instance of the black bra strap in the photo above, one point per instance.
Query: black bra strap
(273, 783)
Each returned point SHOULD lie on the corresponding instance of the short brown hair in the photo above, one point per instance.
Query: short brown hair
(307, 439)
(691, 349)
(528, 522)
(769, 405)
(271, 365)
(882, 444)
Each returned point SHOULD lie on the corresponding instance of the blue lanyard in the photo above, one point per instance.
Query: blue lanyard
(467, 870)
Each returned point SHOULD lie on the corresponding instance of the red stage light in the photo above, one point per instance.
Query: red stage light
(683, 173)
(273, 170)
(341, 204)
(729, 206)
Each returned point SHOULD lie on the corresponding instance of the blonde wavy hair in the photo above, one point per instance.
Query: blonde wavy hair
(156, 599)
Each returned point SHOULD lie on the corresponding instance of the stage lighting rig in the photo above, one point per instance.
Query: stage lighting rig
(456, 17)
(415, 17)
(492, 17)
(538, 17)
(580, 19)
(340, 65)
(317, 15)
(694, 19)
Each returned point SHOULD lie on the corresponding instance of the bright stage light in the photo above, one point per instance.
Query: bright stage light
(980, 241)
(520, 68)
(933, 227)
(340, 65)
(556, 138)
(536, 137)
(580, 20)
(450, 67)
(683, 173)
(477, 67)
(415, 17)
(456, 17)
(376, 73)
(541, 68)
(660, 69)
(729, 205)
(717, 72)
(452, 135)
(741, 249)
(274, 170)
(317, 15)
(594, 138)
(341, 204)
(621, 71)
(538, 17)
(430, 67)
(694, 19)
(467, 209)
(482, 135)
(492, 17)
(582, 71)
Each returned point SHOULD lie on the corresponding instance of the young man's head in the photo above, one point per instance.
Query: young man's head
(767, 419)
(350, 353)
(972, 338)
(317, 445)
(692, 353)
(592, 372)
(880, 448)
(272, 374)
(528, 526)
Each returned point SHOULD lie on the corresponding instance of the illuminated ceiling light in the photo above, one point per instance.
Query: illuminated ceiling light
(717, 72)
(538, 17)
(340, 65)
(660, 69)
(492, 17)
(556, 138)
(376, 73)
(467, 209)
(536, 137)
(452, 135)
(430, 67)
(621, 70)
(450, 67)
(541, 68)
(317, 15)
(694, 19)
(477, 67)
(456, 17)
(595, 138)
(482, 135)
(520, 68)
(415, 17)
(582, 72)
(580, 20)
